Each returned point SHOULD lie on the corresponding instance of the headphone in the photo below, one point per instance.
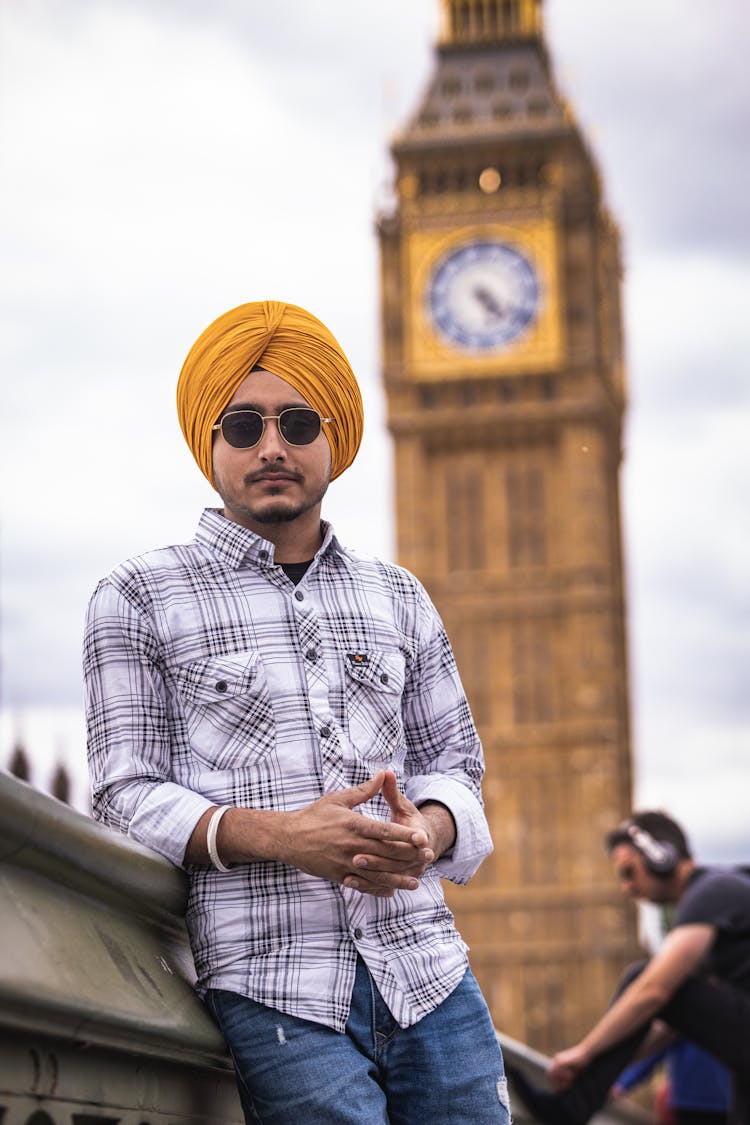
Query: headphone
(660, 857)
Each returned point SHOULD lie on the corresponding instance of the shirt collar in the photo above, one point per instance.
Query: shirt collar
(236, 545)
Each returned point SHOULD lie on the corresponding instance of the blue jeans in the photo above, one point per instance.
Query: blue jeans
(447, 1069)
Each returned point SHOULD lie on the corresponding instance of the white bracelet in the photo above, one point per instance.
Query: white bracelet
(213, 828)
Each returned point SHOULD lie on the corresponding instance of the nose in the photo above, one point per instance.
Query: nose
(271, 446)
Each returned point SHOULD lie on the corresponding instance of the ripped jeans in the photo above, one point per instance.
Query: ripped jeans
(447, 1069)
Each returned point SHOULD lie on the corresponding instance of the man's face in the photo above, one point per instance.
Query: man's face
(272, 482)
(635, 878)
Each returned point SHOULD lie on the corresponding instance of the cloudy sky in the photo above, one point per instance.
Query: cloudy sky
(164, 160)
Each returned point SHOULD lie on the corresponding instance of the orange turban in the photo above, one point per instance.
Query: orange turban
(290, 343)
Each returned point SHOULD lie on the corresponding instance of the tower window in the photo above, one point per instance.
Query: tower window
(450, 87)
(533, 673)
(484, 82)
(465, 507)
(509, 15)
(501, 110)
(518, 79)
(524, 490)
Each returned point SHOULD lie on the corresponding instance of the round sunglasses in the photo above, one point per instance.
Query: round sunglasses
(298, 425)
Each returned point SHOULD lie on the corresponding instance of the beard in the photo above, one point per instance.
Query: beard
(280, 514)
(273, 510)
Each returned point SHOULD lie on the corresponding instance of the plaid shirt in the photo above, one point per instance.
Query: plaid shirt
(211, 679)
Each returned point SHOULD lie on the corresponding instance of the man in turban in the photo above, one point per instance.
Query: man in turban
(285, 720)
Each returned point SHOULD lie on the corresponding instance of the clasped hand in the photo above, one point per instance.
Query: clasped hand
(329, 839)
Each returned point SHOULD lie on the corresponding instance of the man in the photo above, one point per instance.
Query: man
(285, 719)
(698, 983)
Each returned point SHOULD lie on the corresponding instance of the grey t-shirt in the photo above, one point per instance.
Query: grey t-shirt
(721, 897)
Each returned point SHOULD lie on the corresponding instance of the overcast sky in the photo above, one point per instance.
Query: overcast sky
(164, 160)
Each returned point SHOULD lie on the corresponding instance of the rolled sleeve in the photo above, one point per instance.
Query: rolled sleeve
(128, 724)
(166, 817)
(444, 760)
(473, 842)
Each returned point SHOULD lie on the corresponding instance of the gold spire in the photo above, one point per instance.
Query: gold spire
(489, 21)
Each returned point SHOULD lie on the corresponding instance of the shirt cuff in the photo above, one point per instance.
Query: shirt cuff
(166, 818)
(473, 841)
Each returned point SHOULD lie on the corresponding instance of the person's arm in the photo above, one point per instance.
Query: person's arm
(325, 839)
(444, 762)
(682, 952)
(129, 724)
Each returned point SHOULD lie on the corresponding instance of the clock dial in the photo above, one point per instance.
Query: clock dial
(483, 295)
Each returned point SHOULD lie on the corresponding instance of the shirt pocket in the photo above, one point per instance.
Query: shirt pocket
(227, 709)
(374, 687)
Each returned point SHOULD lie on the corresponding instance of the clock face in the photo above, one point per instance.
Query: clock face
(483, 294)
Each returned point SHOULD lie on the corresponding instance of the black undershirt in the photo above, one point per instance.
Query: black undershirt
(295, 571)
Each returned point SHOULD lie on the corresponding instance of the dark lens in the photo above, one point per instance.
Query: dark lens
(299, 425)
(242, 428)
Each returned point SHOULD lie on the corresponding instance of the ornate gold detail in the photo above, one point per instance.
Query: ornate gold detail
(490, 21)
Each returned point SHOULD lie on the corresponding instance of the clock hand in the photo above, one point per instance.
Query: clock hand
(488, 301)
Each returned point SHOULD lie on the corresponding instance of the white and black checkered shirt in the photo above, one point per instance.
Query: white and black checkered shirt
(212, 679)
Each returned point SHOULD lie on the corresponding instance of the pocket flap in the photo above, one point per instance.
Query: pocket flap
(215, 679)
(380, 669)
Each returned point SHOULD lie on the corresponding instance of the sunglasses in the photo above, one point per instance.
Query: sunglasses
(242, 429)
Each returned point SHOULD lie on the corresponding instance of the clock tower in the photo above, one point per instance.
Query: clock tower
(503, 370)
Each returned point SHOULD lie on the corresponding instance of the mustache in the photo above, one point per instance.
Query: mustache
(270, 473)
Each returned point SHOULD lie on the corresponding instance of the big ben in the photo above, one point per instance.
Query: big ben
(503, 370)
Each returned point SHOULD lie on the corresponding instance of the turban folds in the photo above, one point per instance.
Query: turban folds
(289, 342)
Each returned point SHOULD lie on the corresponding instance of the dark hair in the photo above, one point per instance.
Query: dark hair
(656, 824)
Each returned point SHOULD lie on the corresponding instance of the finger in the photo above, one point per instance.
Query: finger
(358, 794)
(375, 891)
(398, 802)
(406, 864)
(389, 834)
(391, 792)
(381, 880)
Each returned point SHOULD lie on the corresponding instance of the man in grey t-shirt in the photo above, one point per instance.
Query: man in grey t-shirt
(697, 984)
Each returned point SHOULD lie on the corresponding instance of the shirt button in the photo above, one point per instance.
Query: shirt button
(311, 654)
(263, 556)
(299, 595)
(221, 686)
(325, 732)
(384, 678)
(358, 933)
